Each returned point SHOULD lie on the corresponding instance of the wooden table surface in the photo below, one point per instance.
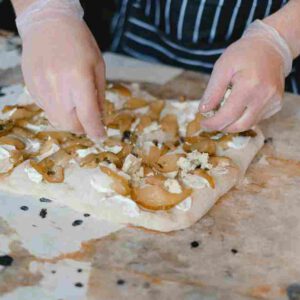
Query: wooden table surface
(246, 247)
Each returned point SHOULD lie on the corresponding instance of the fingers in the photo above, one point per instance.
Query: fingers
(87, 107)
(217, 86)
(231, 111)
(246, 121)
(100, 84)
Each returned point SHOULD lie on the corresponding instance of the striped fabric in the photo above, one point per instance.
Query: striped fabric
(188, 33)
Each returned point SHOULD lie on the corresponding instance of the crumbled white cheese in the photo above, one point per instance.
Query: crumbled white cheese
(193, 160)
(239, 142)
(5, 151)
(85, 152)
(194, 181)
(7, 115)
(114, 149)
(152, 127)
(142, 110)
(115, 98)
(54, 148)
(135, 124)
(36, 128)
(32, 146)
(185, 205)
(147, 146)
(131, 164)
(112, 132)
(217, 136)
(172, 186)
(34, 175)
(171, 175)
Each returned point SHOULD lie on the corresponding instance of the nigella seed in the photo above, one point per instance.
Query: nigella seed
(155, 142)
(126, 135)
(24, 208)
(194, 244)
(86, 215)
(120, 282)
(43, 213)
(45, 200)
(234, 251)
(77, 222)
(6, 260)
(78, 284)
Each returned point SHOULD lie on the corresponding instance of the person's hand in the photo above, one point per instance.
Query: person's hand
(255, 67)
(63, 70)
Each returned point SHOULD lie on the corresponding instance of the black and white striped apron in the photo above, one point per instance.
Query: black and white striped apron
(188, 33)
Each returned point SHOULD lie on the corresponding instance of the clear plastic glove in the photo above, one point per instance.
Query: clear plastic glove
(62, 65)
(255, 66)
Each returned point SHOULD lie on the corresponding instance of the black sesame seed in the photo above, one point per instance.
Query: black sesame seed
(194, 244)
(43, 213)
(78, 284)
(77, 222)
(234, 251)
(79, 270)
(120, 281)
(6, 260)
(2, 94)
(155, 142)
(86, 215)
(24, 208)
(268, 140)
(53, 271)
(1, 127)
(45, 200)
(126, 135)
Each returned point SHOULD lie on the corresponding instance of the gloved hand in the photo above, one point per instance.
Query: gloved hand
(255, 66)
(62, 65)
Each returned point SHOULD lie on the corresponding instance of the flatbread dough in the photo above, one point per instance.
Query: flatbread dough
(76, 190)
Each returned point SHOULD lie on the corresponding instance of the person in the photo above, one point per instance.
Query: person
(248, 45)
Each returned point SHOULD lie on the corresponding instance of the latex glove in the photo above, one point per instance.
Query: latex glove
(62, 65)
(255, 66)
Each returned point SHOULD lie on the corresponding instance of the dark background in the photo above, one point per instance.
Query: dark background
(98, 15)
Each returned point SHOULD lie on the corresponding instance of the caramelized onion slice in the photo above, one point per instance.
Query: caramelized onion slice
(121, 121)
(120, 184)
(155, 197)
(250, 133)
(120, 89)
(20, 112)
(7, 140)
(168, 163)
(200, 143)
(145, 121)
(169, 124)
(151, 157)
(194, 126)
(50, 172)
(223, 141)
(221, 161)
(155, 109)
(5, 127)
(205, 175)
(22, 132)
(135, 103)
(60, 136)
(92, 160)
